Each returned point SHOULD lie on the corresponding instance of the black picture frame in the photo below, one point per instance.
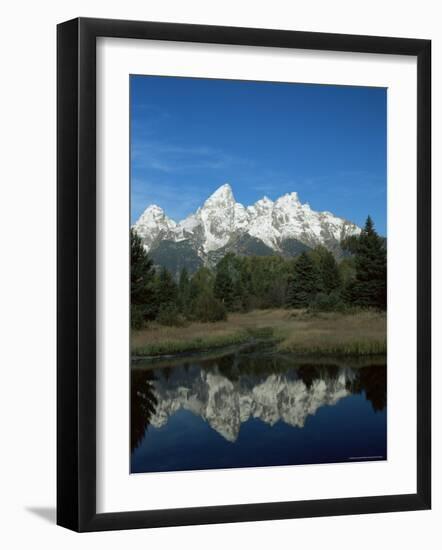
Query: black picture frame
(76, 274)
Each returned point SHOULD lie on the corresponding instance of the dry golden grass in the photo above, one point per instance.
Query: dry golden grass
(296, 330)
(361, 333)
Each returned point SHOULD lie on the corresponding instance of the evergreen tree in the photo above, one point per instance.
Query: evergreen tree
(209, 309)
(142, 292)
(245, 277)
(184, 281)
(304, 282)
(184, 291)
(224, 287)
(329, 272)
(369, 288)
(167, 290)
(347, 270)
(232, 282)
(202, 280)
(167, 297)
(350, 244)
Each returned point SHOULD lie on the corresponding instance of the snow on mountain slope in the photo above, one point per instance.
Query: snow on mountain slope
(153, 225)
(221, 219)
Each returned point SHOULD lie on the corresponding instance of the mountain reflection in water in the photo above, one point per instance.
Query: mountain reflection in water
(255, 407)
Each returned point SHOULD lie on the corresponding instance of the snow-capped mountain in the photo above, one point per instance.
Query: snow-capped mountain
(153, 225)
(221, 224)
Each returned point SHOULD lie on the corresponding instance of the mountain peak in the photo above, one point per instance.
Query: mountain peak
(221, 220)
(154, 209)
(152, 212)
(289, 200)
(265, 201)
(152, 223)
(292, 197)
(155, 214)
(222, 193)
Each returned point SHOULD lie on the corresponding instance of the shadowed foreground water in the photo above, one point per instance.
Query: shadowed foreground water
(256, 407)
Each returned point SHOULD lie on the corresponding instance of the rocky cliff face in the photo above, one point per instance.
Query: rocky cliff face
(221, 222)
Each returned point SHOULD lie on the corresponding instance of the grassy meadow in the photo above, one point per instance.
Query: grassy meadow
(294, 331)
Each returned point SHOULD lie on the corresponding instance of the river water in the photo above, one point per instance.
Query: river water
(255, 407)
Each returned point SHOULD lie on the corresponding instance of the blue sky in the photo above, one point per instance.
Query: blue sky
(189, 136)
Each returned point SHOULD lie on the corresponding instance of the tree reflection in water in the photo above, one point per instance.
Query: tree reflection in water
(143, 403)
(373, 381)
(227, 390)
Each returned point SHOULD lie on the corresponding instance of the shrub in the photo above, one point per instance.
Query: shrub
(209, 309)
(169, 315)
(327, 302)
(137, 316)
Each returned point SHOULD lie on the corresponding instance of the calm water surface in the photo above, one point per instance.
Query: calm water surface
(256, 407)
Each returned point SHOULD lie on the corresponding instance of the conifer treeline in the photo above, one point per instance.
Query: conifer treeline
(240, 283)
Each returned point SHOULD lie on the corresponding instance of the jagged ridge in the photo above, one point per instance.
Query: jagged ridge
(222, 222)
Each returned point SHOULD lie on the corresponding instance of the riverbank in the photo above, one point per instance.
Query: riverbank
(294, 331)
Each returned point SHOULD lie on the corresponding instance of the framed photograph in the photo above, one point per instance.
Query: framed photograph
(243, 274)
